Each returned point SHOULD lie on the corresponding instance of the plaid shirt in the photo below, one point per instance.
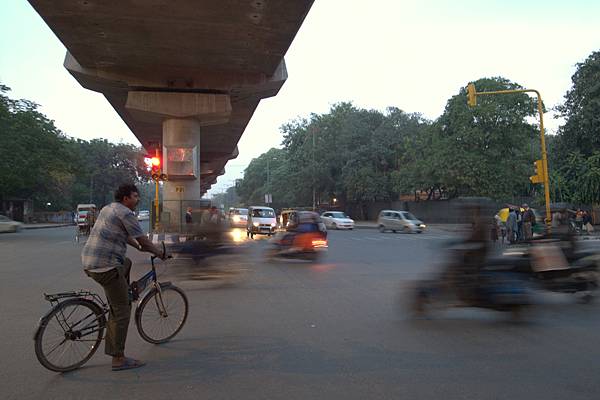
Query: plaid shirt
(107, 244)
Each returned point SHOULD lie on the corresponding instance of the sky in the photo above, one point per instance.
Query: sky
(410, 54)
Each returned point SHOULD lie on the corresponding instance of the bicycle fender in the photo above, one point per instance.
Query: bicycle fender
(43, 321)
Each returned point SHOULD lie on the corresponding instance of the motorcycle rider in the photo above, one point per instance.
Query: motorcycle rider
(465, 271)
(301, 224)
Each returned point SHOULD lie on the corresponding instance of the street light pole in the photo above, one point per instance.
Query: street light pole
(313, 171)
(472, 101)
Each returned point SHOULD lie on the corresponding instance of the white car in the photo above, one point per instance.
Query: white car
(8, 225)
(238, 217)
(143, 215)
(337, 220)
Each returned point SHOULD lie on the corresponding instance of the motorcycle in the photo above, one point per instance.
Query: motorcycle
(552, 268)
(301, 245)
(479, 287)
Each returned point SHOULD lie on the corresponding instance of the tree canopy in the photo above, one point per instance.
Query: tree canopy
(39, 162)
(357, 155)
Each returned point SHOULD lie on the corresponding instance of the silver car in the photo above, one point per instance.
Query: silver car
(8, 225)
(403, 221)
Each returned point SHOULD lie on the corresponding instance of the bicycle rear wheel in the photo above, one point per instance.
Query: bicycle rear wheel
(69, 335)
(161, 315)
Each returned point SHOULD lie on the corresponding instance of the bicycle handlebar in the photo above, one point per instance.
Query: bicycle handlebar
(152, 258)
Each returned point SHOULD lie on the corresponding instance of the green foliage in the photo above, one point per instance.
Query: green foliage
(581, 109)
(577, 178)
(358, 155)
(486, 150)
(39, 162)
(576, 149)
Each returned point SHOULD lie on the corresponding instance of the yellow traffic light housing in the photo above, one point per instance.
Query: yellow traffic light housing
(471, 95)
(539, 172)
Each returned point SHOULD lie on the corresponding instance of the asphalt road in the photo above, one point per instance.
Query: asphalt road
(295, 330)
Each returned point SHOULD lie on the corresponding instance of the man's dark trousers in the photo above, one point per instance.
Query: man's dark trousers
(115, 283)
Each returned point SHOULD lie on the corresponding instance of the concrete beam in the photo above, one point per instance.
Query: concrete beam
(154, 107)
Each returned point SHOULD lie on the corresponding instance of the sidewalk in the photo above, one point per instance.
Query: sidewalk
(44, 226)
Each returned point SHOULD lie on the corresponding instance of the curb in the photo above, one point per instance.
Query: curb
(44, 226)
(365, 226)
(445, 228)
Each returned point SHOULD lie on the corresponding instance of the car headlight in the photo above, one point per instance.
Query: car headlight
(273, 224)
(236, 218)
(423, 226)
(255, 223)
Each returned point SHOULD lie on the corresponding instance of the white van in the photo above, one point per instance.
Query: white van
(261, 220)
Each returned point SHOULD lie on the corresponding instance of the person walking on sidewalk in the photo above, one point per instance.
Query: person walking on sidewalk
(103, 259)
(511, 226)
(587, 223)
(528, 222)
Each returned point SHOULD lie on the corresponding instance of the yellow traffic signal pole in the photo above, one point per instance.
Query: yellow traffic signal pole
(472, 101)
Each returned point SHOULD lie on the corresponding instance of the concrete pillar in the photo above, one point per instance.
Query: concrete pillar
(182, 115)
(180, 191)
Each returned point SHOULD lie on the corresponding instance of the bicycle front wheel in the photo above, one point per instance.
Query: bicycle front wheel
(69, 335)
(162, 314)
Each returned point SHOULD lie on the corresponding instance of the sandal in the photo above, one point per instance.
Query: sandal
(128, 363)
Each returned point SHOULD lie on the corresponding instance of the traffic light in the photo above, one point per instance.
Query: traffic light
(538, 167)
(471, 95)
(153, 163)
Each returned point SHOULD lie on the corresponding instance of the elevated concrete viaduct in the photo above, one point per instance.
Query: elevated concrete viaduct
(184, 75)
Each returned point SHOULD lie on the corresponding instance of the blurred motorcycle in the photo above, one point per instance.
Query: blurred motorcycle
(554, 265)
(299, 245)
(468, 283)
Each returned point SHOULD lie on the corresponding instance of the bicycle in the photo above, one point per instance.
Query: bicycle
(74, 327)
(81, 229)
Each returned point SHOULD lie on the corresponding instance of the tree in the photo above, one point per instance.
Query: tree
(485, 150)
(39, 162)
(575, 150)
(33, 159)
(581, 131)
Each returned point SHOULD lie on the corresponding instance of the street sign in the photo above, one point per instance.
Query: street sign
(179, 189)
(268, 198)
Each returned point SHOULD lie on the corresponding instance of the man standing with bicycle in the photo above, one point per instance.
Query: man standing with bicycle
(104, 261)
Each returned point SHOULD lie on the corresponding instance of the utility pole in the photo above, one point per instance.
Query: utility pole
(91, 186)
(313, 170)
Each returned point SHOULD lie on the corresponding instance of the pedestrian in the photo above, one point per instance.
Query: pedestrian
(519, 213)
(528, 222)
(557, 219)
(103, 259)
(188, 216)
(579, 220)
(494, 229)
(511, 225)
(587, 223)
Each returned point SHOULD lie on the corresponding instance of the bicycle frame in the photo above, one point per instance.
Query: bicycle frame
(139, 287)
